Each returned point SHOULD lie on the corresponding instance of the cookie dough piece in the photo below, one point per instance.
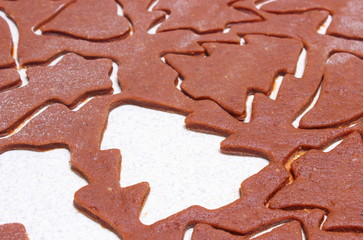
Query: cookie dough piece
(6, 45)
(341, 97)
(37, 12)
(13, 231)
(313, 230)
(270, 133)
(347, 14)
(302, 26)
(201, 15)
(291, 231)
(111, 204)
(229, 72)
(89, 19)
(331, 181)
(57, 125)
(71, 80)
(9, 78)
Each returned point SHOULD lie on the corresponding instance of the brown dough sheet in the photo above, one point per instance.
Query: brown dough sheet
(218, 75)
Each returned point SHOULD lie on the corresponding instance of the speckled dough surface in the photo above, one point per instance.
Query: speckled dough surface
(230, 71)
(205, 60)
(13, 231)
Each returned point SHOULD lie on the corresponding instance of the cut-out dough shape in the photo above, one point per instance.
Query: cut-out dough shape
(201, 15)
(6, 45)
(68, 82)
(230, 72)
(13, 231)
(341, 97)
(80, 131)
(270, 133)
(331, 181)
(347, 14)
(89, 19)
(291, 231)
